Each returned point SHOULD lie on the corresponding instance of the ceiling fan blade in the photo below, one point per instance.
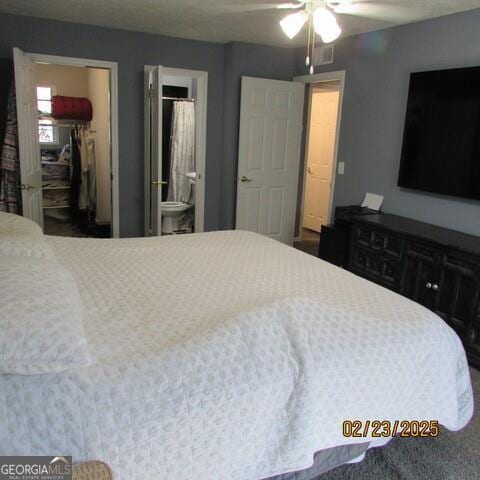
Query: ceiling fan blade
(377, 10)
(244, 7)
(289, 6)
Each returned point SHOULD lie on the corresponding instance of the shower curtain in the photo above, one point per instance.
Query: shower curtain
(10, 194)
(182, 151)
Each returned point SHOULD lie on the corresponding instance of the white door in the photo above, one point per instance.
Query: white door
(321, 150)
(29, 148)
(268, 157)
(153, 149)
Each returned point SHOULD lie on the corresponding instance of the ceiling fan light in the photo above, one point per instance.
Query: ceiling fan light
(331, 35)
(293, 23)
(326, 25)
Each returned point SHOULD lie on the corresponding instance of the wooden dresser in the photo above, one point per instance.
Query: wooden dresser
(434, 266)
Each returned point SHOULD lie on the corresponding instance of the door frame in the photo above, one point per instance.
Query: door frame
(339, 76)
(200, 142)
(114, 150)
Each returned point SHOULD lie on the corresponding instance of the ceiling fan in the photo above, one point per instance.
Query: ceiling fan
(320, 17)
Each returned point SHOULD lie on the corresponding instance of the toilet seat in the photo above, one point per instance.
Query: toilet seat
(175, 206)
(171, 213)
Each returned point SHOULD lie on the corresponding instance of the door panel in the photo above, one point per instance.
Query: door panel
(457, 296)
(268, 157)
(420, 273)
(29, 147)
(320, 158)
(253, 198)
(276, 207)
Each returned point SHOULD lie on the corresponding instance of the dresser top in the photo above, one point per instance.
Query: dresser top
(426, 231)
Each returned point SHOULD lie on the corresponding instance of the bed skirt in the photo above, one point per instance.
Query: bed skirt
(326, 460)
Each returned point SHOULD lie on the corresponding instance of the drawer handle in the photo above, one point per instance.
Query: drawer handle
(429, 285)
(435, 287)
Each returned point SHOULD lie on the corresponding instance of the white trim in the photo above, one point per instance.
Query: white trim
(146, 151)
(322, 77)
(200, 135)
(339, 76)
(113, 67)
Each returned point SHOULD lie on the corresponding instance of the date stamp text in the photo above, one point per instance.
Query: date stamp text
(386, 428)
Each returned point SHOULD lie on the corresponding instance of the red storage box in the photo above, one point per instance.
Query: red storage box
(72, 108)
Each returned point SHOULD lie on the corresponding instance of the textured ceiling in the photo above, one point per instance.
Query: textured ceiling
(226, 20)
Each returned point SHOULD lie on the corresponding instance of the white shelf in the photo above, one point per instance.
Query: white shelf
(55, 206)
(48, 162)
(55, 185)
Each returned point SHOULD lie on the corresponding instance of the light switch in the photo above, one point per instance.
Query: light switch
(341, 168)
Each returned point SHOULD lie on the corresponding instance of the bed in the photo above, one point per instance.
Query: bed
(227, 355)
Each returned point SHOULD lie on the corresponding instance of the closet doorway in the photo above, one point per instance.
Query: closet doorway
(175, 143)
(67, 115)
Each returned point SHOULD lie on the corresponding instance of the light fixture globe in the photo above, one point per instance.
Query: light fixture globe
(293, 23)
(326, 25)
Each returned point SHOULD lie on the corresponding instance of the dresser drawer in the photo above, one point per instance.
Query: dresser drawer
(375, 266)
(423, 251)
(378, 240)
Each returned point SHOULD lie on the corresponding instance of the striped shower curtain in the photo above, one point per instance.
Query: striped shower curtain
(10, 194)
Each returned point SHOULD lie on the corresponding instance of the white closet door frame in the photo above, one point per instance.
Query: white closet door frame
(113, 68)
(201, 79)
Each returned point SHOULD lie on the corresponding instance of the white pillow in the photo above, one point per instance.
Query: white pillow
(41, 318)
(20, 236)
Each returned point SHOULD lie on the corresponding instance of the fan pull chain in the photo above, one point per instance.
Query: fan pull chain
(307, 59)
(312, 50)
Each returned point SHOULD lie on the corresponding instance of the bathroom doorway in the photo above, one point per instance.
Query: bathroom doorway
(175, 140)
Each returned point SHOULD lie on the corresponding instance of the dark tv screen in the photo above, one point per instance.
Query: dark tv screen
(441, 140)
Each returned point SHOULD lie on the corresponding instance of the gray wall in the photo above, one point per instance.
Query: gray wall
(6, 78)
(132, 51)
(377, 73)
(377, 65)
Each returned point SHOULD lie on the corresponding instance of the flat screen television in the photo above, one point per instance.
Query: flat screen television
(441, 139)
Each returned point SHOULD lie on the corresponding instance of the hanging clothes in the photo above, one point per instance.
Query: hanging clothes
(76, 175)
(88, 187)
(10, 194)
(182, 151)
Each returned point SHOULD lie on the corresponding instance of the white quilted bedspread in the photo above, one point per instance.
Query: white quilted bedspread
(229, 356)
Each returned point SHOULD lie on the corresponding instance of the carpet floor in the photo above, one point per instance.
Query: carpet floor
(309, 243)
(450, 456)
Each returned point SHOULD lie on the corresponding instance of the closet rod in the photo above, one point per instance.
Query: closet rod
(179, 99)
(65, 125)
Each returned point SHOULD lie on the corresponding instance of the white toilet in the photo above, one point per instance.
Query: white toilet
(171, 213)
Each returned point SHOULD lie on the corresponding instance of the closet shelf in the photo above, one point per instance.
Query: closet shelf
(55, 206)
(56, 187)
(49, 162)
